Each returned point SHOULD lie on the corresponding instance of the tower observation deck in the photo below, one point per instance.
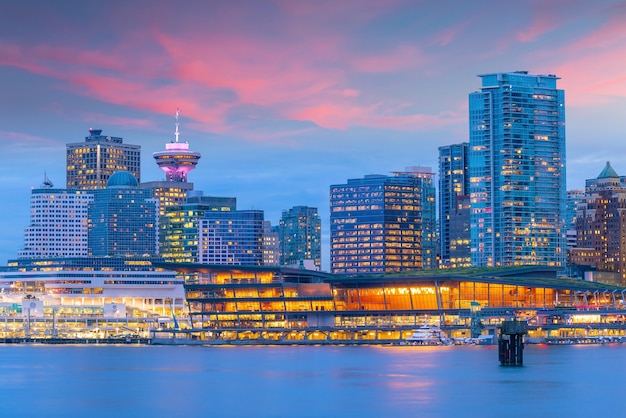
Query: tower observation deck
(176, 160)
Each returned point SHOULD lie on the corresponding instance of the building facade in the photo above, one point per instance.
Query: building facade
(271, 245)
(123, 219)
(300, 236)
(58, 223)
(601, 225)
(459, 229)
(574, 199)
(180, 226)
(517, 170)
(231, 237)
(453, 183)
(383, 223)
(91, 163)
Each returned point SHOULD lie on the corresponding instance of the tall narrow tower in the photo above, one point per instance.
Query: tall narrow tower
(176, 160)
(517, 171)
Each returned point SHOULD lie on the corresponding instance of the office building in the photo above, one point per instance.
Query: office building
(459, 232)
(123, 219)
(58, 223)
(180, 226)
(453, 183)
(231, 237)
(574, 199)
(383, 223)
(517, 170)
(600, 226)
(271, 245)
(91, 163)
(300, 236)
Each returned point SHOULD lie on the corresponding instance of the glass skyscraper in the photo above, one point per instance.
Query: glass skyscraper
(517, 170)
(382, 224)
(300, 236)
(453, 183)
(180, 226)
(231, 237)
(123, 219)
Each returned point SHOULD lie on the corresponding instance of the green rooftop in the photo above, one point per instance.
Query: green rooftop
(608, 172)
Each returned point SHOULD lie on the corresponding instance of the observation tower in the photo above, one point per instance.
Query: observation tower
(176, 160)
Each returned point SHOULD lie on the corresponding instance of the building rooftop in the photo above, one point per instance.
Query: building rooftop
(122, 179)
(608, 172)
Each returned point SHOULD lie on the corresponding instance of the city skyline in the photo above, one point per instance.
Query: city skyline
(284, 99)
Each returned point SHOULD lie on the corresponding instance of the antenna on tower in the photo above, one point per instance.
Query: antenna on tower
(177, 133)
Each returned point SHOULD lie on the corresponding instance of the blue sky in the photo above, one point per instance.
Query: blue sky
(285, 98)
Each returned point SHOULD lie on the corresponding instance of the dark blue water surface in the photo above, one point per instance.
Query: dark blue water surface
(321, 381)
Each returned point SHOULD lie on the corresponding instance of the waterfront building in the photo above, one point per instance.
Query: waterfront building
(383, 223)
(58, 223)
(231, 237)
(271, 245)
(300, 236)
(600, 226)
(180, 226)
(517, 170)
(123, 219)
(291, 305)
(453, 185)
(70, 284)
(91, 163)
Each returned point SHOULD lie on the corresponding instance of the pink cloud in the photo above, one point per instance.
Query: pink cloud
(403, 57)
(19, 138)
(343, 117)
(540, 25)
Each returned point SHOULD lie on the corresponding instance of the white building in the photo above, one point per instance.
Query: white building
(58, 223)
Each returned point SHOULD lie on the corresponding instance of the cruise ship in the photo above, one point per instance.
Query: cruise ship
(89, 296)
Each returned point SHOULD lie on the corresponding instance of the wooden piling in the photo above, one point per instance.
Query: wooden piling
(511, 343)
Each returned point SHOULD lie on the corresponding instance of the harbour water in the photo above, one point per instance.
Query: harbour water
(301, 381)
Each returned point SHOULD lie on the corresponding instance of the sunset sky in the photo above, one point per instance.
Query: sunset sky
(284, 98)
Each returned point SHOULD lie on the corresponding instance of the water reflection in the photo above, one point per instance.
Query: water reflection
(307, 381)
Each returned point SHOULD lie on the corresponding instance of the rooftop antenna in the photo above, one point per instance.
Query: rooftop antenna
(177, 133)
(46, 181)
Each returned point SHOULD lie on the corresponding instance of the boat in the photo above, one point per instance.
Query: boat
(428, 335)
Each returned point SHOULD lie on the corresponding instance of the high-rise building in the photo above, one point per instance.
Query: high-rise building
(459, 231)
(453, 183)
(300, 236)
(517, 170)
(601, 225)
(58, 223)
(176, 160)
(91, 163)
(382, 224)
(231, 237)
(123, 219)
(574, 199)
(271, 245)
(180, 226)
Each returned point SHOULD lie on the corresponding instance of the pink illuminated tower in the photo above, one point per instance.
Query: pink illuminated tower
(176, 160)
